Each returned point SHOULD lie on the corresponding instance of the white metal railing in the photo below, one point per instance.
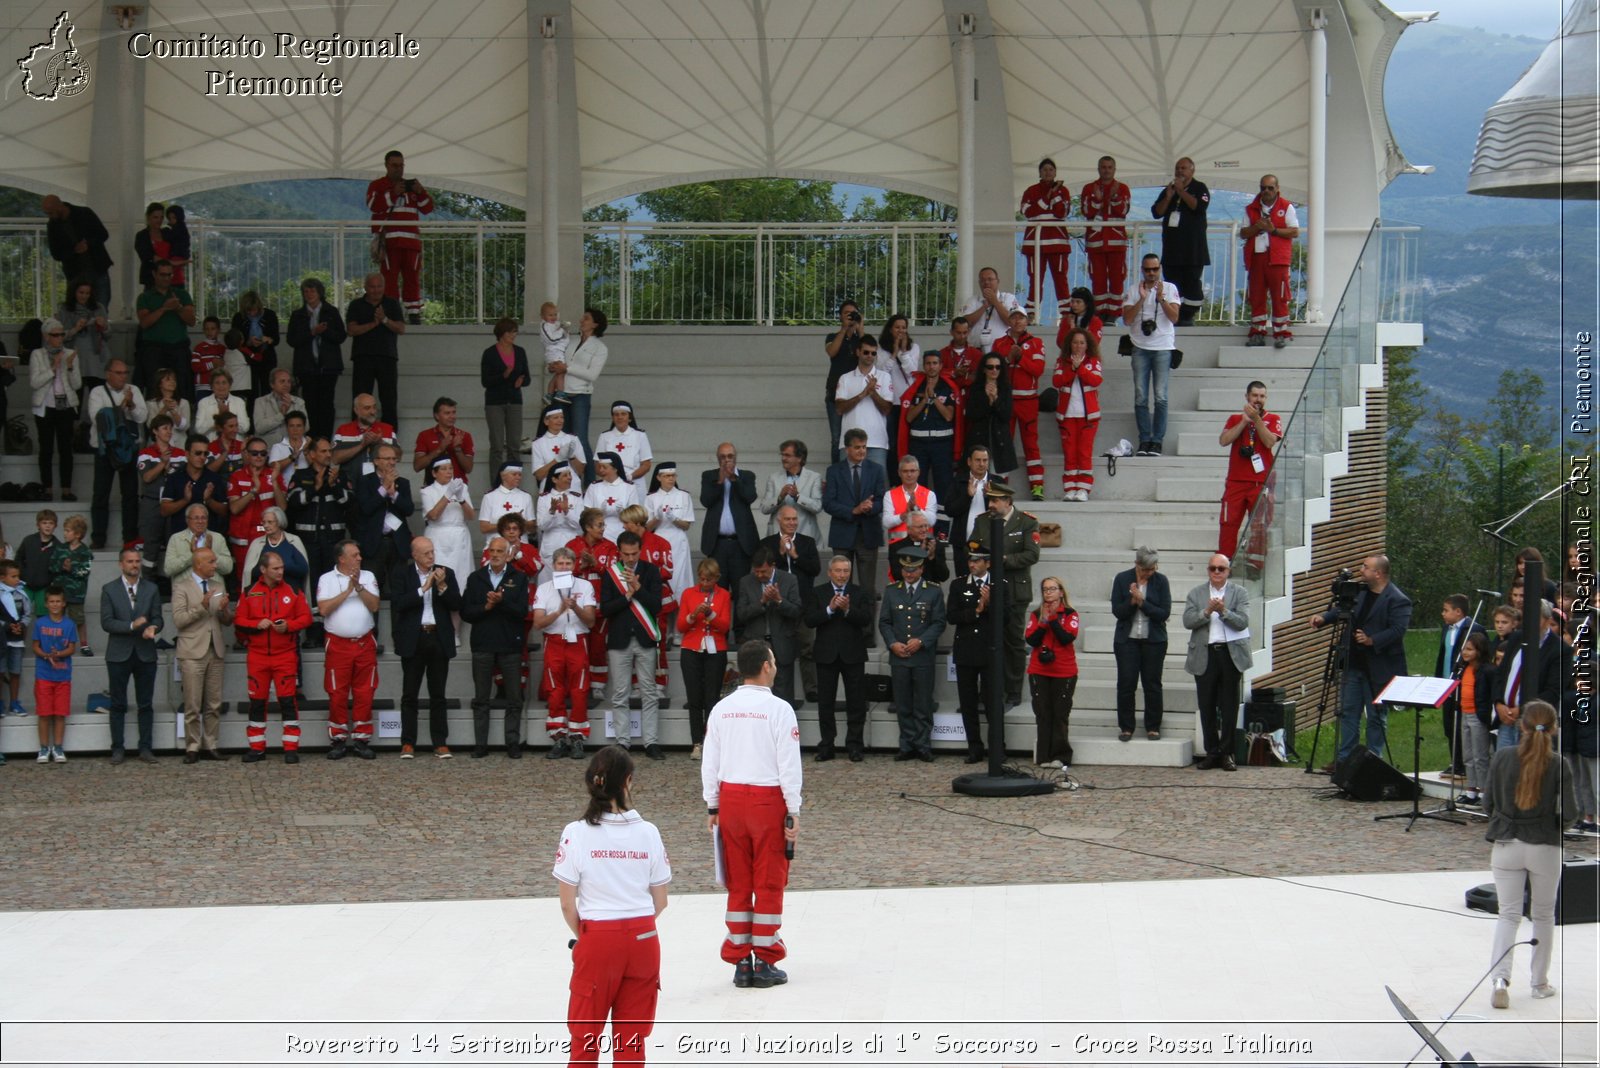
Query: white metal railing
(638, 271)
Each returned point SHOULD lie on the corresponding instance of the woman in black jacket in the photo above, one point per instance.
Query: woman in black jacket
(258, 325)
(504, 372)
(986, 414)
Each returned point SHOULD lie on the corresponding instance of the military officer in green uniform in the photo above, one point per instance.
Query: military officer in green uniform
(911, 620)
(972, 648)
(1021, 553)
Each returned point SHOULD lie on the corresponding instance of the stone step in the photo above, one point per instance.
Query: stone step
(1236, 357)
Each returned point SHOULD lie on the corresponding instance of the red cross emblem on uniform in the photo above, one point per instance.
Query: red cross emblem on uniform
(610, 501)
(619, 446)
(556, 449)
(506, 507)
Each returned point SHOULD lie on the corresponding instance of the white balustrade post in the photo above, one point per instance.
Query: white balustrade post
(1317, 45)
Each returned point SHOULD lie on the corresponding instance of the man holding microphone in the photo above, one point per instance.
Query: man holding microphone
(750, 773)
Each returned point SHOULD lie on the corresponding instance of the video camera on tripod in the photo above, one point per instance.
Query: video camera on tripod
(1346, 588)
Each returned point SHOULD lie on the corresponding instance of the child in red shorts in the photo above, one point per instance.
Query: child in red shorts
(55, 640)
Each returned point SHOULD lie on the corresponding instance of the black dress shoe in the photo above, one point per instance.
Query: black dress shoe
(904, 754)
(191, 757)
(363, 750)
(146, 756)
(856, 755)
(925, 755)
(514, 752)
(212, 754)
(338, 751)
(255, 756)
(811, 695)
(824, 754)
(291, 757)
(975, 756)
(479, 752)
(654, 752)
(118, 756)
(741, 973)
(1210, 761)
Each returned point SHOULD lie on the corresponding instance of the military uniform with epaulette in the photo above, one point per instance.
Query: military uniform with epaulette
(1021, 553)
(972, 647)
(912, 611)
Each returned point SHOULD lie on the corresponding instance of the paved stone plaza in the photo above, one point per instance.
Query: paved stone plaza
(89, 835)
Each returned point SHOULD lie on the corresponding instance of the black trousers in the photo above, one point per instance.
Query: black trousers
(731, 558)
(702, 686)
(127, 480)
(1218, 691)
(484, 666)
(1052, 709)
(1139, 664)
(431, 661)
(380, 376)
(56, 427)
(318, 391)
(153, 357)
(972, 689)
(855, 701)
(1187, 277)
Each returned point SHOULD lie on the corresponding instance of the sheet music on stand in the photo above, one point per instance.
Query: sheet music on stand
(1418, 691)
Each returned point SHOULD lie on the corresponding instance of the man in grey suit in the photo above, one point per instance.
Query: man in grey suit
(130, 614)
(796, 485)
(1217, 613)
(768, 609)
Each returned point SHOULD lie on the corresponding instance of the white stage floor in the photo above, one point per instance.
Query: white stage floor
(1077, 970)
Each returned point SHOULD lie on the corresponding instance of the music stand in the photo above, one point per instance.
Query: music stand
(1418, 691)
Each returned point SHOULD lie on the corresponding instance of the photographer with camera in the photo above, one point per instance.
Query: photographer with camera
(1150, 308)
(1251, 434)
(1378, 622)
(841, 348)
(398, 202)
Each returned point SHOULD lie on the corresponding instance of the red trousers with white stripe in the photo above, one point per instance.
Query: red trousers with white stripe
(750, 821)
(1077, 453)
(267, 672)
(1025, 421)
(566, 680)
(402, 276)
(1237, 500)
(1108, 278)
(599, 659)
(616, 972)
(350, 675)
(1052, 261)
(1268, 283)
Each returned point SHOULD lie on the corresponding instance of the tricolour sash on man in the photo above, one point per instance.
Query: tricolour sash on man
(618, 575)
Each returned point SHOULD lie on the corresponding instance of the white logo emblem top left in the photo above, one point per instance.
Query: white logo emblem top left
(54, 69)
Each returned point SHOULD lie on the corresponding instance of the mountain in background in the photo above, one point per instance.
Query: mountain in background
(1491, 266)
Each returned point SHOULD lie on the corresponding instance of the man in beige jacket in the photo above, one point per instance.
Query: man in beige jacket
(201, 608)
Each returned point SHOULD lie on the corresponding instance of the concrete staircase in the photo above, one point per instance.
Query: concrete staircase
(694, 387)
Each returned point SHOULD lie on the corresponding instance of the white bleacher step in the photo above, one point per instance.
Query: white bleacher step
(1186, 536)
(1178, 490)
(1100, 747)
(1231, 399)
(1241, 356)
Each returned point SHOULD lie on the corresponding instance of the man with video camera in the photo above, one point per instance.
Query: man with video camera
(1378, 623)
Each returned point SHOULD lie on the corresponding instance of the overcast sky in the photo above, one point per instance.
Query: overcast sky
(1528, 18)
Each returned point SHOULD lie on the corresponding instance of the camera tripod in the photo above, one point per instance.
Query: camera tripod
(1333, 669)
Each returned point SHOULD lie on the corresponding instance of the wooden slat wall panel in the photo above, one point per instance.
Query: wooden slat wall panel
(1357, 529)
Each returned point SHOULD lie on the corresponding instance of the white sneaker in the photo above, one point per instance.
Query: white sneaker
(44, 755)
(59, 755)
(694, 754)
(1544, 990)
(1500, 995)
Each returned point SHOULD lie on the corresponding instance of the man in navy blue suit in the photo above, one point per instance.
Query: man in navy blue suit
(1377, 654)
(852, 494)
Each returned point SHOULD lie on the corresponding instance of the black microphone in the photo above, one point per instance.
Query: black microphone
(788, 847)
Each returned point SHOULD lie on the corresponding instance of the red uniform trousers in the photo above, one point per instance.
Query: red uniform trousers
(616, 972)
(1077, 453)
(566, 681)
(750, 821)
(1025, 421)
(351, 670)
(402, 275)
(1238, 497)
(1268, 282)
(268, 671)
(1108, 279)
(599, 661)
(1053, 261)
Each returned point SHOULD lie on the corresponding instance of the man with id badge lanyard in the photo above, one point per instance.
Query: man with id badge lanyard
(1251, 435)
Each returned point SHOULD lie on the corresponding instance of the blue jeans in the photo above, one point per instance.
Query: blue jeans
(144, 691)
(1356, 696)
(881, 458)
(578, 426)
(1507, 737)
(1151, 365)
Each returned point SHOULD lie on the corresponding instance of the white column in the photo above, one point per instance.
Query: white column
(115, 187)
(1317, 194)
(966, 162)
(550, 202)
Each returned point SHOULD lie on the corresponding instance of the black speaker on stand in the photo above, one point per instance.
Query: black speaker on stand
(1367, 777)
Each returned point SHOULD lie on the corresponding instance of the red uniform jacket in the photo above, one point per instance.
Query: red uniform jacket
(1105, 202)
(399, 212)
(1280, 250)
(271, 603)
(1044, 201)
(244, 526)
(1025, 355)
(603, 551)
(1087, 377)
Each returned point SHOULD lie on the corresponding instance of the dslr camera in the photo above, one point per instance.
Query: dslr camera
(855, 317)
(1148, 326)
(1247, 451)
(1047, 655)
